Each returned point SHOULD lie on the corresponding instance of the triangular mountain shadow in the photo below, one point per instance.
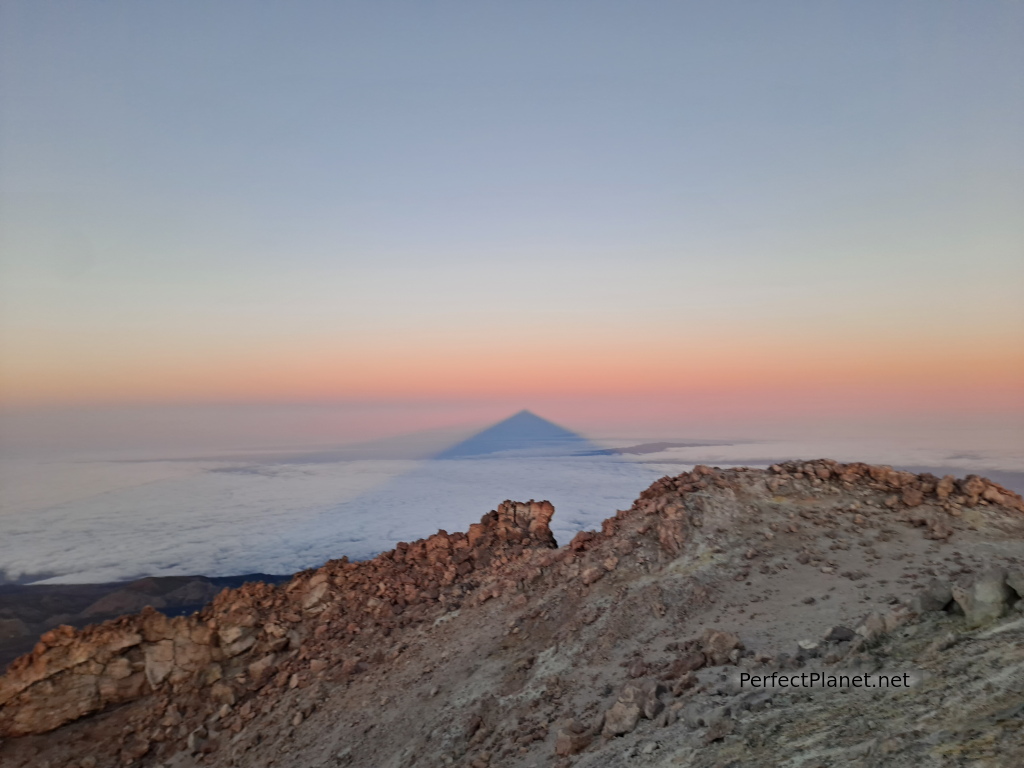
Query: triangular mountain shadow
(522, 457)
(524, 431)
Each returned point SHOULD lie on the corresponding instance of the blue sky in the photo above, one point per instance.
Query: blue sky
(191, 187)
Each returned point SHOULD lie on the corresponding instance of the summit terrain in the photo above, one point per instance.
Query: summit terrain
(623, 647)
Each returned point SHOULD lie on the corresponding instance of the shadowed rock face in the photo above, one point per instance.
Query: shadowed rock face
(29, 610)
(494, 647)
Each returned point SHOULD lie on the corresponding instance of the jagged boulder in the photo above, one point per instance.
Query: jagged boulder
(637, 699)
(621, 718)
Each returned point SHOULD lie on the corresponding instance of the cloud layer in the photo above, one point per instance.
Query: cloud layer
(281, 518)
(108, 520)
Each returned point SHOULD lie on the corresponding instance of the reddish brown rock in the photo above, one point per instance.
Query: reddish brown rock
(912, 497)
(972, 487)
(945, 487)
(572, 739)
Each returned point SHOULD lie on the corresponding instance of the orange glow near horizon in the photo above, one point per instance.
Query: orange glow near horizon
(757, 371)
(344, 206)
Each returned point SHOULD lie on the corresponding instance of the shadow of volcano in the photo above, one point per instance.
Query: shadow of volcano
(523, 457)
(524, 431)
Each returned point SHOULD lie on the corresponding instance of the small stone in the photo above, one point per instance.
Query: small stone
(688, 663)
(895, 617)
(572, 739)
(262, 667)
(621, 719)
(196, 740)
(684, 683)
(637, 669)
(934, 597)
(872, 628)
(840, 634)
(719, 730)
(717, 645)
(667, 717)
(135, 747)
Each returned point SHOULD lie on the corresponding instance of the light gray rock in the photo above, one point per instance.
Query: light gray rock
(159, 661)
(645, 694)
(984, 598)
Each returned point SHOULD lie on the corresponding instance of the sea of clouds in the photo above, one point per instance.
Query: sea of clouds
(279, 518)
(97, 520)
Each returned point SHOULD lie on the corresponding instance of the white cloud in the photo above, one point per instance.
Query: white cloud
(223, 519)
(284, 517)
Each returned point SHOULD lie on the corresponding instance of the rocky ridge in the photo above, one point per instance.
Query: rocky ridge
(73, 673)
(29, 610)
(495, 647)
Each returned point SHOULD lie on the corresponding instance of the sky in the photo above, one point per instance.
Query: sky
(616, 214)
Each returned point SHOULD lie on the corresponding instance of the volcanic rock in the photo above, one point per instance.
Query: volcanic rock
(983, 598)
(497, 647)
